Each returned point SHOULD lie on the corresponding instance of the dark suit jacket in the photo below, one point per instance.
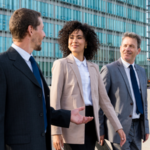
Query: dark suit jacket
(21, 109)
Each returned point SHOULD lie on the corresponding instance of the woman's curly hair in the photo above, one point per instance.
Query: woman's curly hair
(89, 35)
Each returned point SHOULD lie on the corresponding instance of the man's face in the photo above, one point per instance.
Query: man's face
(129, 49)
(38, 36)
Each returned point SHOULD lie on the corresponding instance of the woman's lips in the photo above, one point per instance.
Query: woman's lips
(74, 46)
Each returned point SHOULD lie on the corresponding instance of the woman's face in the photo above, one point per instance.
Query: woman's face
(76, 42)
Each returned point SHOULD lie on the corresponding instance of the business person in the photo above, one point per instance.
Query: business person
(126, 85)
(25, 112)
(77, 82)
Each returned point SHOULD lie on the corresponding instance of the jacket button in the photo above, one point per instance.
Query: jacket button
(131, 103)
(43, 134)
(47, 95)
(39, 95)
(130, 116)
(41, 114)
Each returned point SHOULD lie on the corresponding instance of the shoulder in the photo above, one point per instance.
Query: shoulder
(3, 56)
(60, 61)
(10, 54)
(4, 60)
(93, 65)
(110, 67)
(59, 65)
(5, 63)
(140, 68)
(113, 64)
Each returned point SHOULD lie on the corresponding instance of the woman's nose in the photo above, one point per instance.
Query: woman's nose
(75, 40)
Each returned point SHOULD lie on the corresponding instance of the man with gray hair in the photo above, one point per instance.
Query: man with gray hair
(126, 85)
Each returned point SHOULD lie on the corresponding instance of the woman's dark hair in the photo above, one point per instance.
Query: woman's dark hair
(89, 35)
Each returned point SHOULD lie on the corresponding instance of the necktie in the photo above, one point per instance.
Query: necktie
(136, 91)
(38, 77)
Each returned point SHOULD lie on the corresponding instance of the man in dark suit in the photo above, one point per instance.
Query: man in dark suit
(126, 85)
(25, 112)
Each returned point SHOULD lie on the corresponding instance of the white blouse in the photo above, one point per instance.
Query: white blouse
(85, 78)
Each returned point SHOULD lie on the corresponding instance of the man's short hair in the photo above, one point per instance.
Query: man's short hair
(134, 36)
(20, 20)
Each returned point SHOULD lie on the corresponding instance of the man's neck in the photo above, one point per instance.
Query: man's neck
(24, 45)
(127, 61)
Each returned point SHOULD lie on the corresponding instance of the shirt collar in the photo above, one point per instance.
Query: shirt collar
(126, 64)
(78, 62)
(25, 55)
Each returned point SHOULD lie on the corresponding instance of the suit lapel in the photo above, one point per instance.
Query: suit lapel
(140, 80)
(46, 89)
(123, 73)
(46, 92)
(21, 65)
(75, 69)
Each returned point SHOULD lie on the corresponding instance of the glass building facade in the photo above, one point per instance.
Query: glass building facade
(148, 19)
(109, 18)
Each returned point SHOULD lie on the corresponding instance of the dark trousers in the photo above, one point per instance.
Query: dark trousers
(133, 141)
(90, 134)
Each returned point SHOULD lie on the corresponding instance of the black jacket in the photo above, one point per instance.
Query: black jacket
(21, 109)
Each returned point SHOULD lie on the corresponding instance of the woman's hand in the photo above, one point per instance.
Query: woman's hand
(122, 137)
(58, 142)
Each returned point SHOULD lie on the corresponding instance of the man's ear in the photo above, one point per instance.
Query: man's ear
(139, 50)
(120, 48)
(30, 30)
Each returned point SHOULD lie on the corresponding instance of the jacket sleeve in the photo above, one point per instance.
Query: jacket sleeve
(2, 108)
(105, 103)
(58, 78)
(60, 118)
(106, 79)
(146, 111)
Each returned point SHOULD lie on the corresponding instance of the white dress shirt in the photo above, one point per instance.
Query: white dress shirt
(127, 70)
(86, 82)
(26, 56)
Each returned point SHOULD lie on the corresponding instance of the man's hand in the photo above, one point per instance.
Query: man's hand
(58, 142)
(122, 137)
(77, 118)
(102, 139)
(146, 137)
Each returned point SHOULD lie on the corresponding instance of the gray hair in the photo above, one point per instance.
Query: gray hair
(134, 36)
